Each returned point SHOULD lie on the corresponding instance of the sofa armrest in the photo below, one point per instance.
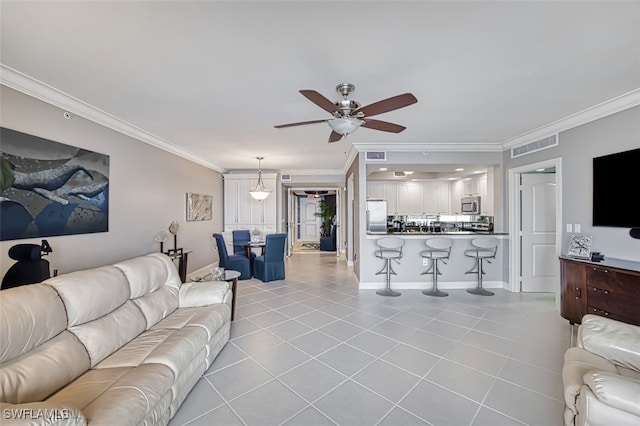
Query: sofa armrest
(614, 390)
(40, 413)
(203, 293)
(616, 341)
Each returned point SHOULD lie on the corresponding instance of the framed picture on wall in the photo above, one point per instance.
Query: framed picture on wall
(199, 207)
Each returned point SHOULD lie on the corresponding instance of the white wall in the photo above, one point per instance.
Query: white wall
(147, 190)
(577, 147)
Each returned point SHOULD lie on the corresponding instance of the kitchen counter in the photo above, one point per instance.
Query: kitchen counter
(418, 233)
(411, 267)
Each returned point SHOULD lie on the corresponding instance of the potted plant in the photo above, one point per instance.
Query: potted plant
(324, 212)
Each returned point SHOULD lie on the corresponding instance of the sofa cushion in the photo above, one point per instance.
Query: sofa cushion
(577, 362)
(22, 307)
(124, 395)
(174, 348)
(38, 356)
(91, 294)
(210, 318)
(154, 283)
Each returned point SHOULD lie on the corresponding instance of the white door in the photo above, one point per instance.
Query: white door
(539, 260)
(309, 222)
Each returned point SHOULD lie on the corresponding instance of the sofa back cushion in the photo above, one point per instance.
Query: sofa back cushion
(37, 356)
(154, 284)
(98, 308)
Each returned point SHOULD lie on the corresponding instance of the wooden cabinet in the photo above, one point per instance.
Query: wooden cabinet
(436, 198)
(390, 190)
(375, 190)
(603, 289)
(410, 195)
(241, 211)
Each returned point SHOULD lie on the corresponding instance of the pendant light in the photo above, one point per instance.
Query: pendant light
(260, 192)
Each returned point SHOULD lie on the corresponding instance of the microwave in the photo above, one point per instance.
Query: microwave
(470, 205)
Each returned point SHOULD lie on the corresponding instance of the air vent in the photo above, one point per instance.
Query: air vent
(536, 146)
(399, 174)
(285, 177)
(376, 156)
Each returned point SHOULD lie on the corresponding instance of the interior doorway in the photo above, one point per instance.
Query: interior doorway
(534, 230)
(304, 225)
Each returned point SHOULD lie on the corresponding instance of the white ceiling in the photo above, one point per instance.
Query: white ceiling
(213, 78)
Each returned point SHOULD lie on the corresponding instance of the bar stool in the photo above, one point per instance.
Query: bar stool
(438, 249)
(484, 248)
(389, 248)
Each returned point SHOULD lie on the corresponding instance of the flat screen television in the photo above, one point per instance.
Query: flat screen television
(616, 190)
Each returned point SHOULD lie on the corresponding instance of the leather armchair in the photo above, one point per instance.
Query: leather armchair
(601, 375)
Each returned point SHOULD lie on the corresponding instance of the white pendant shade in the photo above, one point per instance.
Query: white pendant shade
(260, 192)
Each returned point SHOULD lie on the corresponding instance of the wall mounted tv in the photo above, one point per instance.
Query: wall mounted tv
(616, 190)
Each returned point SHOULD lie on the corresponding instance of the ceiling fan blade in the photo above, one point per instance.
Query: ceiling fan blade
(320, 100)
(301, 123)
(334, 137)
(385, 126)
(386, 105)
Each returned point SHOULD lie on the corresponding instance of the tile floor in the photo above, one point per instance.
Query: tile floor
(315, 350)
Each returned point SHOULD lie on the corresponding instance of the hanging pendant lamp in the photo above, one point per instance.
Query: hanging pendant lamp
(260, 192)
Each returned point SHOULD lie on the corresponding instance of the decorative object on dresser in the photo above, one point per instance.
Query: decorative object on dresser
(579, 246)
(609, 288)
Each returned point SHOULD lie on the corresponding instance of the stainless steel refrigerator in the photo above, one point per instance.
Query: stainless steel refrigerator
(376, 216)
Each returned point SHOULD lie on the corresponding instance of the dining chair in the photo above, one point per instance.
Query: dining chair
(235, 262)
(270, 265)
(240, 238)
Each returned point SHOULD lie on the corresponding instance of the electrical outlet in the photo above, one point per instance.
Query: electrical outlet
(569, 227)
(577, 227)
(425, 261)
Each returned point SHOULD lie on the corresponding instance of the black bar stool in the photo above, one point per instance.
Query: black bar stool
(484, 248)
(389, 248)
(438, 249)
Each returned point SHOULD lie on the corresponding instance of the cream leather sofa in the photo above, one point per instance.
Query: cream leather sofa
(116, 345)
(601, 375)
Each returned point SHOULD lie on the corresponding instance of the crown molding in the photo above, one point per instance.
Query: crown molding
(42, 91)
(612, 106)
(433, 147)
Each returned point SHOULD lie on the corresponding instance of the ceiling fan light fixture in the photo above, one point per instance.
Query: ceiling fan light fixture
(345, 125)
(260, 191)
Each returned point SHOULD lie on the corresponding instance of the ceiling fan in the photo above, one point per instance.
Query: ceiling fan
(349, 115)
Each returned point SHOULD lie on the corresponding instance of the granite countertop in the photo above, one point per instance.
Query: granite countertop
(443, 233)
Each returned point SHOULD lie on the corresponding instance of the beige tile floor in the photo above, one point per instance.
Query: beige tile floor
(315, 350)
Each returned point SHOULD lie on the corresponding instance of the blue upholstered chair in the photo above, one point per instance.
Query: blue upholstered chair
(270, 266)
(241, 237)
(329, 243)
(235, 262)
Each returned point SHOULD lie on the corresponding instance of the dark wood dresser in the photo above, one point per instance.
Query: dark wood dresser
(610, 288)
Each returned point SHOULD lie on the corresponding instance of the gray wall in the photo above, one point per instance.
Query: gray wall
(576, 148)
(147, 191)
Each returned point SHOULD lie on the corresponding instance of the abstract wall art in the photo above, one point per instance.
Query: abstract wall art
(199, 207)
(49, 188)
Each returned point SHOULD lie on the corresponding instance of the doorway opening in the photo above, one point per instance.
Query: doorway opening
(535, 227)
(313, 213)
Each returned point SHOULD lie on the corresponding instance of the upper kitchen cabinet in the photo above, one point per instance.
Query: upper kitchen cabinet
(410, 196)
(375, 191)
(241, 211)
(436, 198)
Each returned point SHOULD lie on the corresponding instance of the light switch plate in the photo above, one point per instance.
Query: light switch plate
(577, 227)
(569, 227)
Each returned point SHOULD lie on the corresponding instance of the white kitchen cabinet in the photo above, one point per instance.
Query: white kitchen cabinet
(457, 191)
(241, 211)
(437, 198)
(391, 196)
(375, 190)
(410, 196)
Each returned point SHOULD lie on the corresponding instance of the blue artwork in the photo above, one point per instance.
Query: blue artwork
(48, 188)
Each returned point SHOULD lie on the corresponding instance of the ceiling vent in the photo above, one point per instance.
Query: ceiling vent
(376, 156)
(536, 146)
(399, 174)
(285, 177)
